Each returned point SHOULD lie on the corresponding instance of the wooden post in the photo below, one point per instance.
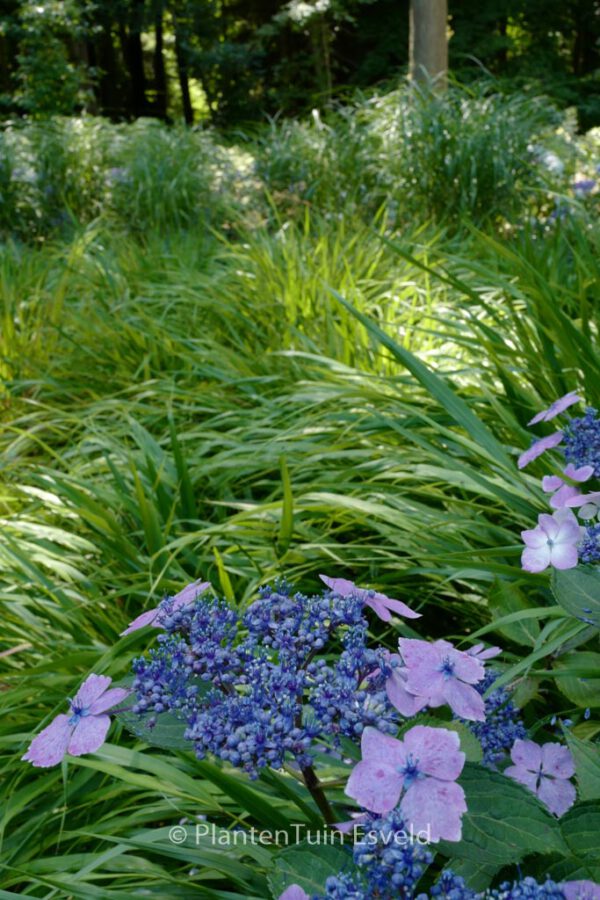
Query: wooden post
(429, 41)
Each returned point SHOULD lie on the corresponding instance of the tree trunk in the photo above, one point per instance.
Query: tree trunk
(133, 53)
(160, 75)
(182, 73)
(429, 41)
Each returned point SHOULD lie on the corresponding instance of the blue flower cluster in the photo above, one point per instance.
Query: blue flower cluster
(450, 887)
(502, 724)
(253, 688)
(379, 878)
(389, 863)
(581, 439)
(589, 548)
(527, 889)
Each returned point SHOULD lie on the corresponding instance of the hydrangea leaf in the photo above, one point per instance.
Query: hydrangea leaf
(578, 591)
(309, 866)
(477, 876)
(504, 822)
(506, 598)
(581, 830)
(579, 677)
(587, 766)
(167, 733)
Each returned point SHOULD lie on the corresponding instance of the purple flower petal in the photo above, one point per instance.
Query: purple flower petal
(379, 609)
(551, 483)
(527, 755)
(437, 750)
(382, 605)
(108, 700)
(583, 499)
(535, 538)
(479, 651)
(523, 776)
(539, 447)
(88, 735)
(397, 606)
(562, 495)
(556, 408)
(564, 556)
(580, 890)
(395, 688)
(535, 560)
(374, 785)
(434, 807)
(583, 473)
(378, 747)
(465, 701)
(294, 892)
(557, 794)
(146, 618)
(557, 761)
(340, 586)
(92, 688)
(189, 593)
(50, 745)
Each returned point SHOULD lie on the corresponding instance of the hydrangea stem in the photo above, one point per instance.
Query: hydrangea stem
(316, 789)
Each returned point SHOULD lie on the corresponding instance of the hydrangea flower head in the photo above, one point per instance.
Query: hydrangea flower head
(556, 408)
(502, 726)
(589, 550)
(418, 772)
(539, 447)
(437, 673)
(184, 598)
(582, 440)
(545, 770)
(552, 543)
(83, 730)
(379, 603)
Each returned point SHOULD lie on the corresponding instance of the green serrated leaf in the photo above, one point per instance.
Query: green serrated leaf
(587, 766)
(506, 598)
(477, 876)
(581, 831)
(578, 591)
(167, 733)
(468, 742)
(579, 677)
(504, 821)
(309, 865)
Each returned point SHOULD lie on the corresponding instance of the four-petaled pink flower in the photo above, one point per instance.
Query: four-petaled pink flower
(382, 605)
(184, 598)
(552, 543)
(437, 673)
(561, 492)
(539, 447)
(545, 770)
(83, 730)
(418, 772)
(556, 408)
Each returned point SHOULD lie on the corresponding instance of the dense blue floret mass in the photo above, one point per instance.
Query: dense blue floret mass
(502, 724)
(581, 440)
(257, 687)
